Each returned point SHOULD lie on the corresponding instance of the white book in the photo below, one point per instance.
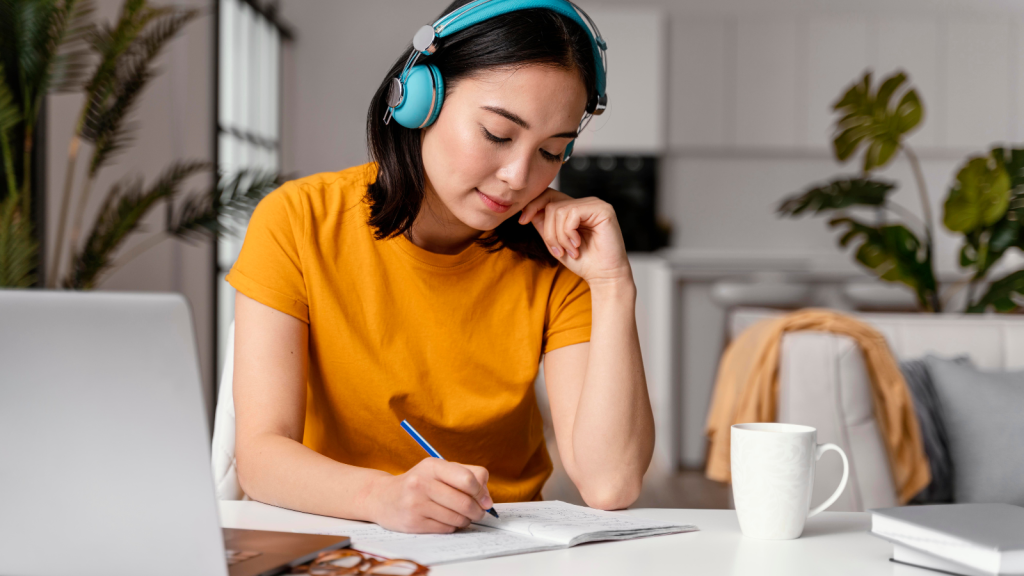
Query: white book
(976, 538)
(523, 527)
(907, 555)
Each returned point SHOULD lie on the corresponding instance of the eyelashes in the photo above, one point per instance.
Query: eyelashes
(544, 153)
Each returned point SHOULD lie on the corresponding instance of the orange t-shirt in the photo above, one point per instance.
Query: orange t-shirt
(450, 342)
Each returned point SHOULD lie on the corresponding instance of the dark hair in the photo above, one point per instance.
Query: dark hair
(532, 36)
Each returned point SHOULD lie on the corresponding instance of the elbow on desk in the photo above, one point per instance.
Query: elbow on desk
(611, 495)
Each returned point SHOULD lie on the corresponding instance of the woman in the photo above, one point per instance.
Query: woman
(426, 286)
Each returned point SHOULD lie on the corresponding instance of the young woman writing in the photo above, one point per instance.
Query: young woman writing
(428, 284)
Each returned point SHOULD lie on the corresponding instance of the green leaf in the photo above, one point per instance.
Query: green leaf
(232, 199)
(125, 206)
(909, 112)
(894, 254)
(126, 54)
(837, 194)
(868, 118)
(18, 246)
(1004, 295)
(979, 197)
(73, 60)
(10, 114)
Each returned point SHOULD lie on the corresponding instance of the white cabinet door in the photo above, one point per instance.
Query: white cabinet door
(635, 121)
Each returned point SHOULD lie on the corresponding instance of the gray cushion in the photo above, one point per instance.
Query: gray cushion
(933, 431)
(984, 418)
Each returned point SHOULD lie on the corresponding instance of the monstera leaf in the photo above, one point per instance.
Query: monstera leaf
(895, 254)
(836, 195)
(1005, 295)
(982, 249)
(868, 118)
(980, 195)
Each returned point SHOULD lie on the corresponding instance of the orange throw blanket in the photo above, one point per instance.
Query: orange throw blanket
(747, 390)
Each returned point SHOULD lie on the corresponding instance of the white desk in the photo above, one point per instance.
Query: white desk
(834, 543)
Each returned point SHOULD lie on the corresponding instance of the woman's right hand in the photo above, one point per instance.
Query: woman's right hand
(434, 496)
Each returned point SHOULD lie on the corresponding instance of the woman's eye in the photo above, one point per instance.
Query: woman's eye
(544, 153)
(494, 138)
(551, 157)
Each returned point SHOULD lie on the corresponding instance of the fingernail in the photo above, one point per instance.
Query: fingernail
(521, 218)
(554, 250)
(575, 242)
(487, 503)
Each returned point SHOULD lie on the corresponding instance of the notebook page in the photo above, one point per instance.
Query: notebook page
(472, 543)
(569, 525)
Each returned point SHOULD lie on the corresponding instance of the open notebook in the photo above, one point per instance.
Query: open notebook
(523, 527)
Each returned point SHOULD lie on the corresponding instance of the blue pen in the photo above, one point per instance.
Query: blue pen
(430, 450)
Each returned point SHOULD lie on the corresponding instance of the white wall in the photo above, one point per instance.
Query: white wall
(175, 120)
(752, 87)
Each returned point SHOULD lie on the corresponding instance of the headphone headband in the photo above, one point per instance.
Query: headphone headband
(415, 96)
(479, 10)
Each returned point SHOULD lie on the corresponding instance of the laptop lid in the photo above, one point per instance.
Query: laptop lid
(95, 387)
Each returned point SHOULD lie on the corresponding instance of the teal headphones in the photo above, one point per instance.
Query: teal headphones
(416, 95)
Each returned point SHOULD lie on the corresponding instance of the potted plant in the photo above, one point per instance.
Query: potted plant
(985, 203)
(54, 45)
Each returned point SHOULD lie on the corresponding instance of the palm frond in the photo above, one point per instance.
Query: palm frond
(18, 246)
(109, 43)
(73, 61)
(125, 206)
(208, 213)
(45, 55)
(10, 116)
(126, 67)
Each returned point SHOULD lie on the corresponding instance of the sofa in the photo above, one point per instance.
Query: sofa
(823, 383)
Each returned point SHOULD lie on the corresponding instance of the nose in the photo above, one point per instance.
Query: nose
(515, 172)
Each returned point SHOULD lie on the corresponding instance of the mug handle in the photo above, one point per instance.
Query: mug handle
(821, 449)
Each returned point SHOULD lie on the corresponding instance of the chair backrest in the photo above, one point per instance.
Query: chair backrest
(992, 341)
(225, 476)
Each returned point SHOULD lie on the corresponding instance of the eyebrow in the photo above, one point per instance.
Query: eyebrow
(522, 123)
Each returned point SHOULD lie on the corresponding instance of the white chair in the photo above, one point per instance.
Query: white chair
(225, 476)
(823, 382)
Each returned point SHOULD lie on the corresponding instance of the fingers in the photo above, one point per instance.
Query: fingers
(565, 241)
(465, 480)
(537, 204)
(482, 476)
(550, 238)
(427, 525)
(443, 515)
(464, 505)
(561, 228)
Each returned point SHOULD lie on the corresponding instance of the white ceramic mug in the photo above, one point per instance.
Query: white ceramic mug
(773, 475)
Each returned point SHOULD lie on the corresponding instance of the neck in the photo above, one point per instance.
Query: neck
(437, 230)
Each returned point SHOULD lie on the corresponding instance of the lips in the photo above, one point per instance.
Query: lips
(493, 203)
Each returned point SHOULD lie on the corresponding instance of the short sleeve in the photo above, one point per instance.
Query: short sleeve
(269, 267)
(568, 317)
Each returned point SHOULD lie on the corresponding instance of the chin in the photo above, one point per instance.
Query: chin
(482, 221)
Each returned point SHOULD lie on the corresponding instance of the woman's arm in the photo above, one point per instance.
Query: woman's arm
(598, 393)
(271, 367)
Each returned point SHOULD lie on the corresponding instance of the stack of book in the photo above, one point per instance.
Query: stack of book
(966, 539)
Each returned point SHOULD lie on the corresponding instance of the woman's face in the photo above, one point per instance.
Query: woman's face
(499, 139)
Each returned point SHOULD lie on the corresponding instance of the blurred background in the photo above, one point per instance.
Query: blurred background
(718, 110)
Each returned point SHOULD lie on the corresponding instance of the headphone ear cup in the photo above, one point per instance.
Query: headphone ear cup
(438, 94)
(420, 102)
(568, 151)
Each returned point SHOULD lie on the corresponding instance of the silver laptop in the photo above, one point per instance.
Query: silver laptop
(105, 447)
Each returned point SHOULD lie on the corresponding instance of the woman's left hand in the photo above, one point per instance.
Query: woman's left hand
(583, 234)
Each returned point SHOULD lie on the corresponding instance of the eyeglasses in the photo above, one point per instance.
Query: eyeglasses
(353, 563)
